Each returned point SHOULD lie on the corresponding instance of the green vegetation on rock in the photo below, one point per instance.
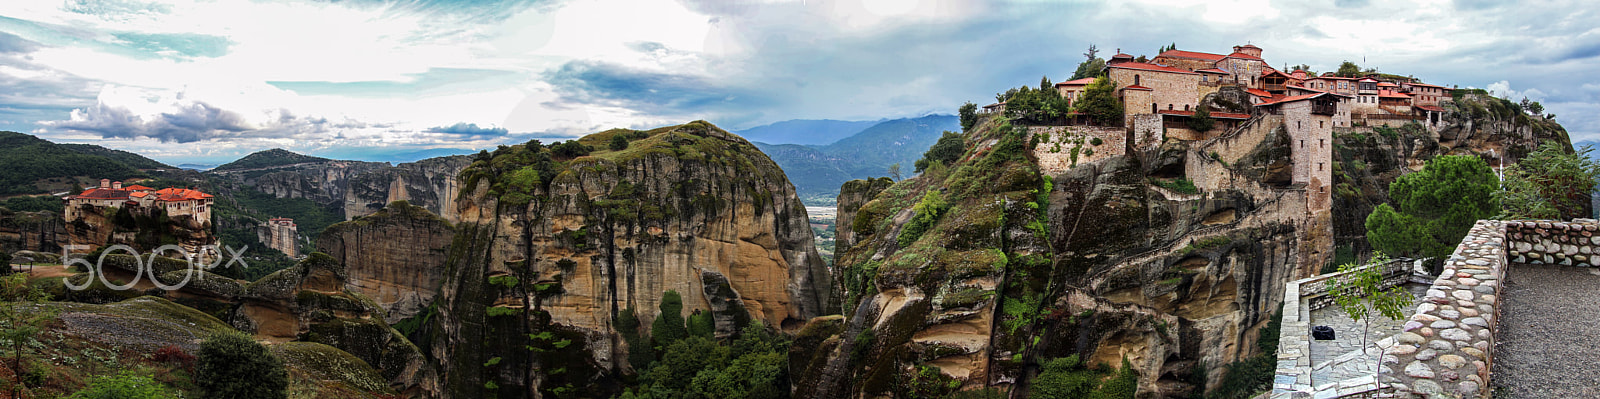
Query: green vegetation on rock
(267, 159)
(124, 385)
(1550, 183)
(35, 166)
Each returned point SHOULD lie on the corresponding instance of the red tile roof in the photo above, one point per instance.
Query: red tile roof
(1192, 55)
(1079, 82)
(1428, 85)
(1387, 84)
(137, 194)
(1244, 56)
(180, 194)
(1430, 108)
(102, 194)
(1138, 87)
(1258, 92)
(1289, 99)
(1213, 70)
(1151, 67)
(1219, 115)
(136, 187)
(1367, 80)
(1390, 94)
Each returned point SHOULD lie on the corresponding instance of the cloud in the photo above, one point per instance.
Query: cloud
(10, 43)
(190, 122)
(175, 45)
(602, 83)
(1351, 3)
(469, 129)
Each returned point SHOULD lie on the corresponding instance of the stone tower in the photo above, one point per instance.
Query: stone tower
(280, 234)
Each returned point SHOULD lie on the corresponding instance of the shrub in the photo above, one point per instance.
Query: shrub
(669, 325)
(619, 143)
(234, 366)
(946, 151)
(174, 354)
(124, 385)
(928, 212)
(570, 149)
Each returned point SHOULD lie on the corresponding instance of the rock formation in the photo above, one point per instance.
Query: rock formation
(550, 248)
(358, 188)
(395, 256)
(32, 231)
(309, 302)
(996, 265)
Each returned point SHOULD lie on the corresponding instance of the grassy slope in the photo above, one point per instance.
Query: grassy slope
(268, 158)
(35, 166)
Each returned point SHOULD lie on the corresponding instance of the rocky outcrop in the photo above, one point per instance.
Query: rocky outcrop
(358, 188)
(309, 303)
(395, 256)
(142, 228)
(554, 248)
(42, 231)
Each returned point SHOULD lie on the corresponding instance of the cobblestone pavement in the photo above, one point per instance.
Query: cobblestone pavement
(1546, 334)
(1338, 360)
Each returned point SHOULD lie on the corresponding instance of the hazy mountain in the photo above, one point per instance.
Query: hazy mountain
(805, 131)
(817, 171)
(268, 158)
(127, 158)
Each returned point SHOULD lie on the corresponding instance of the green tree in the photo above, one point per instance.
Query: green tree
(1535, 108)
(1434, 208)
(124, 385)
(570, 149)
(1202, 122)
(969, 116)
(619, 143)
(234, 366)
(1100, 103)
(22, 317)
(1348, 69)
(1359, 294)
(1550, 183)
(639, 352)
(681, 362)
(669, 326)
(947, 151)
(1091, 65)
(701, 324)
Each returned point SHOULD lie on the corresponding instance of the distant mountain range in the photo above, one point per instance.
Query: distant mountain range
(817, 171)
(805, 131)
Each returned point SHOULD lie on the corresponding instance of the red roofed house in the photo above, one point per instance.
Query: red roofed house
(1072, 89)
(1424, 94)
(1147, 88)
(1332, 84)
(176, 201)
(1243, 67)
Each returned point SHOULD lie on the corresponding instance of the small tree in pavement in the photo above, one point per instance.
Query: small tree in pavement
(1358, 293)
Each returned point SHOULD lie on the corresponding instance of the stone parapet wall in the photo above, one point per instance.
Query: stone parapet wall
(1553, 242)
(1447, 347)
(1063, 147)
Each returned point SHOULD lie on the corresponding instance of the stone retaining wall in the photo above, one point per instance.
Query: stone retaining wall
(1553, 242)
(1446, 348)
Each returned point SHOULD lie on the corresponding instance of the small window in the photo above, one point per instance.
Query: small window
(1322, 143)
(1302, 144)
(1169, 107)
(1319, 124)
(1135, 80)
(1319, 166)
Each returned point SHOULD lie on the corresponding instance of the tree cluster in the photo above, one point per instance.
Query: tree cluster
(946, 151)
(1434, 208)
(232, 365)
(1550, 183)
(1047, 105)
(694, 364)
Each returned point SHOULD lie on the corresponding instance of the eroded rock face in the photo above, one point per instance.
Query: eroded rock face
(395, 256)
(689, 208)
(309, 302)
(360, 188)
(32, 231)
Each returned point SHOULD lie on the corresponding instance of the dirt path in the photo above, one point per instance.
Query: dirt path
(1547, 334)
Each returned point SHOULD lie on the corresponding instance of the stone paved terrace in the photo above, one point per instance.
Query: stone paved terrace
(1337, 359)
(1546, 344)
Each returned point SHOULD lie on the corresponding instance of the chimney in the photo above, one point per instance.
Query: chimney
(116, 185)
(105, 183)
(1237, 48)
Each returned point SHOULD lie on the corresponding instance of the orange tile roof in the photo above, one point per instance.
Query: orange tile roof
(1387, 84)
(1244, 56)
(1078, 82)
(138, 194)
(102, 194)
(1282, 100)
(1138, 87)
(1220, 115)
(1258, 92)
(1151, 67)
(1390, 94)
(180, 194)
(136, 187)
(1430, 108)
(1192, 55)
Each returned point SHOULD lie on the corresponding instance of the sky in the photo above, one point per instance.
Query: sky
(208, 81)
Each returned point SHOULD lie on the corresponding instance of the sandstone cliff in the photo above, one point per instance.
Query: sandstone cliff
(549, 250)
(310, 303)
(395, 256)
(357, 188)
(42, 231)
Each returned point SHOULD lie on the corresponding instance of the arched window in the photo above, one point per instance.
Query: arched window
(1186, 107)
(1169, 107)
(1152, 108)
